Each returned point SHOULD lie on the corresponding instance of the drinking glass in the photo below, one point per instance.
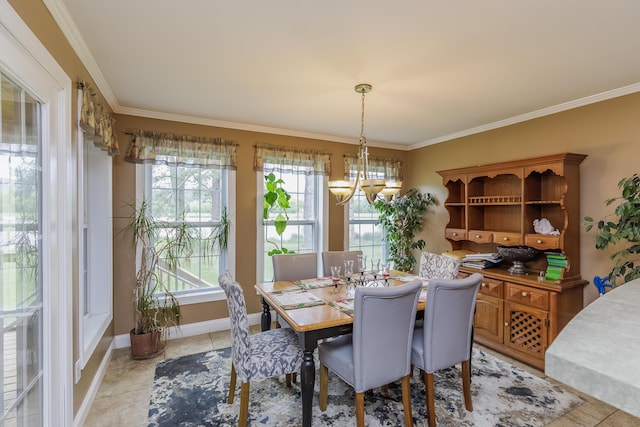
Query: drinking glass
(335, 274)
(386, 270)
(375, 267)
(348, 269)
(362, 263)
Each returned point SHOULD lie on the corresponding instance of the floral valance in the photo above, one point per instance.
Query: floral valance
(97, 124)
(390, 167)
(168, 148)
(288, 159)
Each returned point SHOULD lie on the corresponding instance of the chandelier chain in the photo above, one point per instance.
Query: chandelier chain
(363, 139)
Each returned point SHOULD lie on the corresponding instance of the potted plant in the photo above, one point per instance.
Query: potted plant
(401, 219)
(155, 307)
(276, 197)
(625, 227)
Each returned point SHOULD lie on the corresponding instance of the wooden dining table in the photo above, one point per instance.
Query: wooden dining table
(317, 309)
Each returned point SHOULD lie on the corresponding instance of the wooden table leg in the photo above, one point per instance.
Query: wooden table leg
(265, 321)
(307, 378)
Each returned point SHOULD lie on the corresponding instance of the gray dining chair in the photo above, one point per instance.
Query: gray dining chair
(378, 352)
(330, 258)
(255, 357)
(436, 266)
(444, 340)
(294, 266)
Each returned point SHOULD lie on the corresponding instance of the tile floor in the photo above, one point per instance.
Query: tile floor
(123, 397)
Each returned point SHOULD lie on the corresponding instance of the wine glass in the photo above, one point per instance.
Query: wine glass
(348, 269)
(362, 263)
(335, 274)
(375, 267)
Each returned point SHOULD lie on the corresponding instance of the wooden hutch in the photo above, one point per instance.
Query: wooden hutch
(496, 204)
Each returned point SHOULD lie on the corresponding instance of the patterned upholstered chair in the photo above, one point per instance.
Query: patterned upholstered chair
(445, 338)
(378, 351)
(330, 258)
(435, 266)
(255, 357)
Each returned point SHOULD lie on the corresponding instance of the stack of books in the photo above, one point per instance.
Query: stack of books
(557, 265)
(482, 260)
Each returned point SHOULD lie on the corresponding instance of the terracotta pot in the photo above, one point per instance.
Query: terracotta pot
(146, 346)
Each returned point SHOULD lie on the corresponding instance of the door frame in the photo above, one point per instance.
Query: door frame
(30, 64)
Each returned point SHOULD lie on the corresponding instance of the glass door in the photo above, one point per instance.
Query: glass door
(21, 302)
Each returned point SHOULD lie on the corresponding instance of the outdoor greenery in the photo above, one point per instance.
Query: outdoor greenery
(402, 219)
(276, 202)
(625, 229)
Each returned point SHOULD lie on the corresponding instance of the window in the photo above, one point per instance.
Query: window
(190, 179)
(198, 196)
(364, 233)
(304, 172)
(95, 243)
(302, 234)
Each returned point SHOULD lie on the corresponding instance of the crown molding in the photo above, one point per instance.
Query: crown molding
(587, 100)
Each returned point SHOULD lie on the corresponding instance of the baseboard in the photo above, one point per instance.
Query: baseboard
(84, 409)
(192, 329)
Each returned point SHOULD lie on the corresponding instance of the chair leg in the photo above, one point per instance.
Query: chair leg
(232, 384)
(288, 379)
(431, 406)
(244, 404)
(406, 401)
(324, 386)
(360, 409)
(466, 384)
(384, 389)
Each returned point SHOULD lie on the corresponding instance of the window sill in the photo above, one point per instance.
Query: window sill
(216, 294)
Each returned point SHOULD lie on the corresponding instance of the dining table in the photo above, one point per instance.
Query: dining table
(320, 308)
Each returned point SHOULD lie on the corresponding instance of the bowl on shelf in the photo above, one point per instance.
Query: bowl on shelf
(518, 255)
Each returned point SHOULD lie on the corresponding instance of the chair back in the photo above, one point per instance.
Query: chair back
(448, 320)
(436, 266)
(382, 331)
(330, 258)
(240, 347)
(294, 266)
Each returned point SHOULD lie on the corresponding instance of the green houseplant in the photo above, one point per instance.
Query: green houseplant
(276, 201)
(623, 225)
(401, 219)
(162, 248)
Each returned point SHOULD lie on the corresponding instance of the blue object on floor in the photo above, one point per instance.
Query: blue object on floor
(601, 283)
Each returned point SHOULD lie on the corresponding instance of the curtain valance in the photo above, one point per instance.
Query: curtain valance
(392, 168)
(97, 124)
(168, 148)
(287, 159)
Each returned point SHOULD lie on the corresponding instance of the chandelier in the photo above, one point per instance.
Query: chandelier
(344, 190)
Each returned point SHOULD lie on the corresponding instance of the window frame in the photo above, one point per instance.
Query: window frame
(215, 293)
(95, 247)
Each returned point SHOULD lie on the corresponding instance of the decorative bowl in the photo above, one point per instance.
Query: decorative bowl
(518, 255)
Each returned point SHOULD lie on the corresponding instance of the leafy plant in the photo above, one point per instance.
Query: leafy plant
(275, 196)
(401, 220)
(627, 228)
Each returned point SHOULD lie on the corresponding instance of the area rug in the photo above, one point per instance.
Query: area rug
(192, 391)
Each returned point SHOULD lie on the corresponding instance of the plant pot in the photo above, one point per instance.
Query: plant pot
(146, 346)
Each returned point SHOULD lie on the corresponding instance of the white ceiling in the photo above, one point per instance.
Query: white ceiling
(439, 69)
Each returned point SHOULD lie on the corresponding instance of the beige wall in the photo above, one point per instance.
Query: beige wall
(607, 132)
(246, 220)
